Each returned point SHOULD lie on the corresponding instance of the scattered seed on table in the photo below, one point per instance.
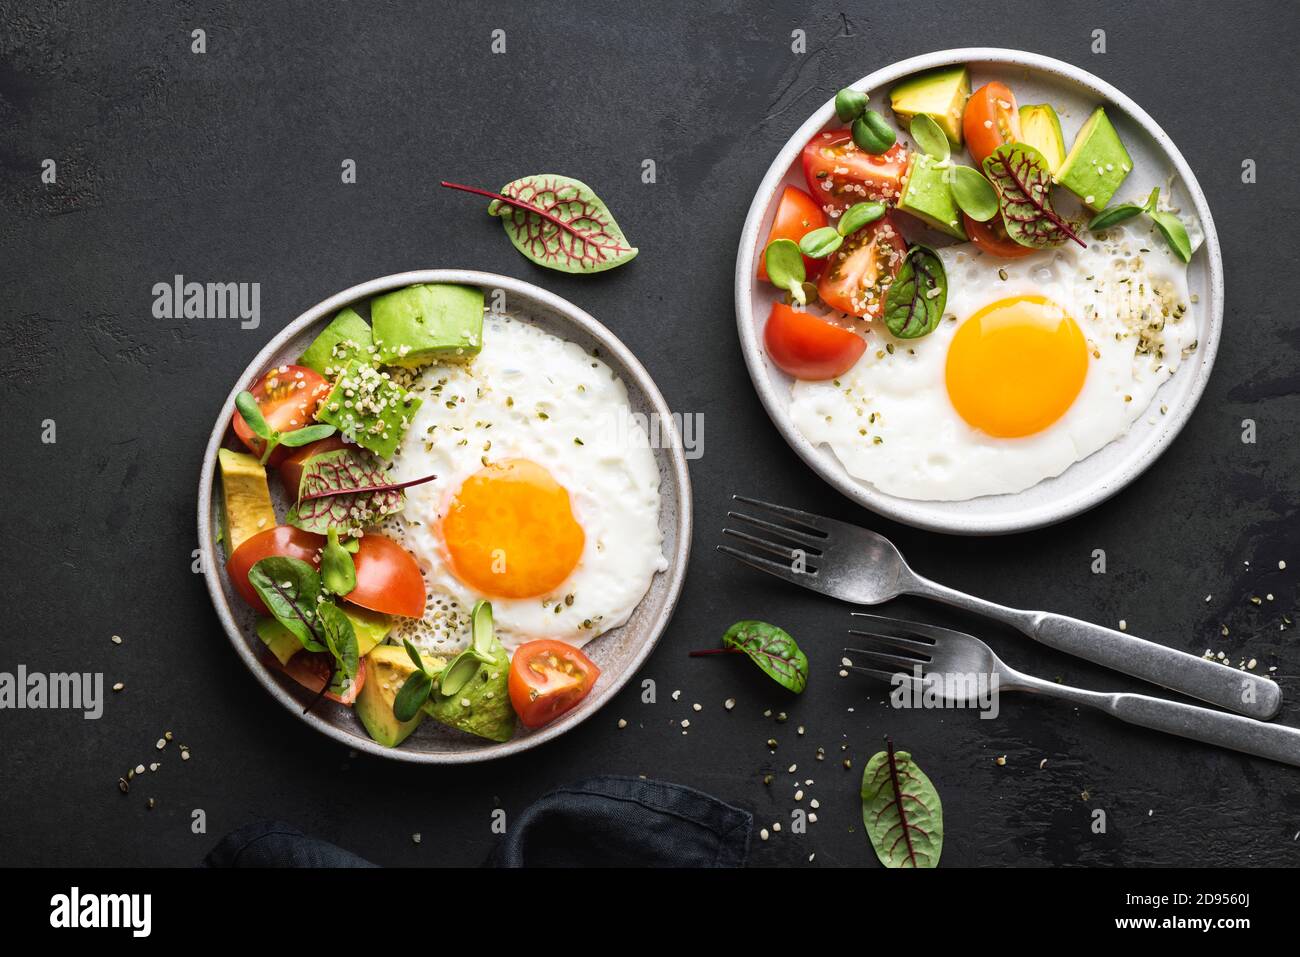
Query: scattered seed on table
(167, 735)
(729, 703)
(119, 686)
(697, 707)
(848, 764)
(767, 780)
(416, 837)
(123, 785)
(151, 804)
(185, 754)
(781, 717)
(1001, 760)
(154, 766)
(798, 795)
(622, 722)
(676, 695)
(771, 743)
(814, 804)
(686, 723)
(776, 826)
(117, 639)
(793, 768)
(762, 835)
(162, 743)
(812, 818)
(139, 769)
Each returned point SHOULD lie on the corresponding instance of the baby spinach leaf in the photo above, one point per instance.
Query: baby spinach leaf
(859, 215)
(346, 489)
(915, 301)
(1024, 184)
(901, 810)
(820, 243)
(338, 571)
(340, 637)
(558, 222)
(973, 194)
(932, 140)
(412, 696)
(773, 650)
(291, 591)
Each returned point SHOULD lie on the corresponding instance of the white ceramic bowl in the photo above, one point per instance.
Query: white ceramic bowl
(619, 652)
(1075, 93)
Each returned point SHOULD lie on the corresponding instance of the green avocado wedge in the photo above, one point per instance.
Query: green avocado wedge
(347, 337)
(482, 705)
(387, 668)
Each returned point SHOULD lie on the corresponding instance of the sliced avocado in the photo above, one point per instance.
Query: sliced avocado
(1040, 127)
(1097, 162)
(347, 337)
(282, 642)
(939, 94)
(387, 668)
(245, 498)
(926, 196)
(482, 706)
(368, 408)
(426, 323)
(371, 627)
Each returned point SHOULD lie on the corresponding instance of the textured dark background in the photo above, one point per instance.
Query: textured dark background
(225, 167)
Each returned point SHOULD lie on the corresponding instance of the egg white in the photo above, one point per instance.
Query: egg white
(532, 395)
(889, 419)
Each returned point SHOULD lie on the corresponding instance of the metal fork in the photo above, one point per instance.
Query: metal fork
(859, 566)
(950, 663)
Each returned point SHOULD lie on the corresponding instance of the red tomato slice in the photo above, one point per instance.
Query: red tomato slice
(312, 671)
(291, 468)
(281, 540)
(860, 271)
(388, 578)
(993, 239)
(288, 397)
(548, 678)
(809, 347)
(990, 119)
(796, 215)
(840, 175)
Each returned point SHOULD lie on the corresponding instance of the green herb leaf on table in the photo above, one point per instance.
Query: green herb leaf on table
(338, 571)
(850, 104)
(820, 243)
(291, 591)
(859, 215)
(412, 696)
(1023, 182)
(773, 650)
(901, 810)
(785, 268)
(973, 193)
(928, 135)
(916, 298)
(340, 637)
(346, 489)
(558, 222)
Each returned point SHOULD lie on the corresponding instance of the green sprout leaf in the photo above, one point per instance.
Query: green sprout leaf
(820, 243)
(248, 408)
(928, 135)
(1114, 215)
(306, 435)
(413, 653)
(1175, 233)
(785, 268)
(849, 104)
(872, 132)
(973, 194)
(483, 634)
(859, 215)
(337, 569)
(458, 673)
(773, 650)
(412, 696)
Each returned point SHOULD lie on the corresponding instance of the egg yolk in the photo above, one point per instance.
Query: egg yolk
(1015, 366)
(510, 531)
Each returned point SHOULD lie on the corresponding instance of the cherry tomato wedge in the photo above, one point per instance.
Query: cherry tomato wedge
(993, 239)
(312, 670)
(288, 397)
(990, 119)
(859, 273)
(807, 346)
(840, 175)
(280, 540)
(547, 678)
(291, 468)
(796, 215)
(388, 578)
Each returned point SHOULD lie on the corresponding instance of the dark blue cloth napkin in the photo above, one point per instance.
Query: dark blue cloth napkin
(599, 822)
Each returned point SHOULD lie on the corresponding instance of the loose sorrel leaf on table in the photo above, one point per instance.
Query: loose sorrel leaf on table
(901, 811)
(1024, 184)
(915, 301)
(345, 489)
(558, 222)
(773, 650)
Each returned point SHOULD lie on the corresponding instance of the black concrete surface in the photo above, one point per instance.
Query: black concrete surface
(225, 166)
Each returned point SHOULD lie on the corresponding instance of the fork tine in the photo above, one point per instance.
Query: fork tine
(918, 628)
(804, 578)
(814, 542)
(813, 522)
(907, 644)
(785, 551)
(877, 657)
(886, 676)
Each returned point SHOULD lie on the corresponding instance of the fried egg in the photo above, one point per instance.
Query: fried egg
(1037, 363)
(546, 500)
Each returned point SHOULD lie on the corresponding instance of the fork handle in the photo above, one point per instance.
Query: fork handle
(1210, 681)
(1275, 741)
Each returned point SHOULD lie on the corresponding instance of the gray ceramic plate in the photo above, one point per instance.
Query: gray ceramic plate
(1074, 92)
(619, 652)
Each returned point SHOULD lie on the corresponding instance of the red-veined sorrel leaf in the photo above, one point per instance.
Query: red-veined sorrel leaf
(558, 222)
(345, 489)
(1024, 184)
(773, 650)
(901, 810)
